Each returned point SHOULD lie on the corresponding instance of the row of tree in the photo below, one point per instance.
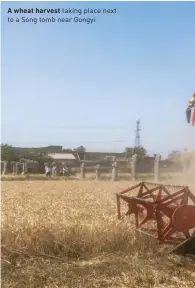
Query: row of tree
(140, 151)
(8, 153)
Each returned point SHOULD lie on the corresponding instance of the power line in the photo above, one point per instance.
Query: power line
(59, 143)
(73, 127)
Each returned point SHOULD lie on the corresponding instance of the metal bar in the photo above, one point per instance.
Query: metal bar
(167, 185)
(180, 197)
(186, 247)
(172, 196)
(129, 189)
(166, 191)
(145, 233)
(141, 189)
(191, 195)
(135, 199)
(144, 185)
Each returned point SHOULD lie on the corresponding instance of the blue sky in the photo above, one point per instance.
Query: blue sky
(86, 84)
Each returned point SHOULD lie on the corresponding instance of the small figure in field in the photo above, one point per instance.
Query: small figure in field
(65, 170)
(47, 171)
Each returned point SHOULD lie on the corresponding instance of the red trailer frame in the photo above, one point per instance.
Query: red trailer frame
(164, 211)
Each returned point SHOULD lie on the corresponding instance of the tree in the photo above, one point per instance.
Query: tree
(40, 157)
(80, 152)
(8, 153)
(140, 151)
(174, 154)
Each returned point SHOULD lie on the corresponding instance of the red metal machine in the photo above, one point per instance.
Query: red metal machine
(166, 212)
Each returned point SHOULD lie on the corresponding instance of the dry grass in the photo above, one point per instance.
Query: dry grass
(66, 234)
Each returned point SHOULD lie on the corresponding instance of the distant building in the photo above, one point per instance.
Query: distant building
(103, 155)
(68, 158)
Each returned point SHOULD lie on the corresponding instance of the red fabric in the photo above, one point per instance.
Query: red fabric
(193, 118)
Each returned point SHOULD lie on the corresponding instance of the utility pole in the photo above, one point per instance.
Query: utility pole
(137, 135)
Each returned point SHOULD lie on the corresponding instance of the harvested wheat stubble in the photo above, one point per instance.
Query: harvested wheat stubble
(66, 234)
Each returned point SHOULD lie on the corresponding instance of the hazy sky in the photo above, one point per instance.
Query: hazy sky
(84, 84)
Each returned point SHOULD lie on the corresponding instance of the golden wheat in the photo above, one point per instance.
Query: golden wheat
(66, 234)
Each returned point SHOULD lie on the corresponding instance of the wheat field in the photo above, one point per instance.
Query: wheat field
(66, 234)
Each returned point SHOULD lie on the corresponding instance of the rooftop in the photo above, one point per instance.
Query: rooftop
(105, 153)
(62, 156)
